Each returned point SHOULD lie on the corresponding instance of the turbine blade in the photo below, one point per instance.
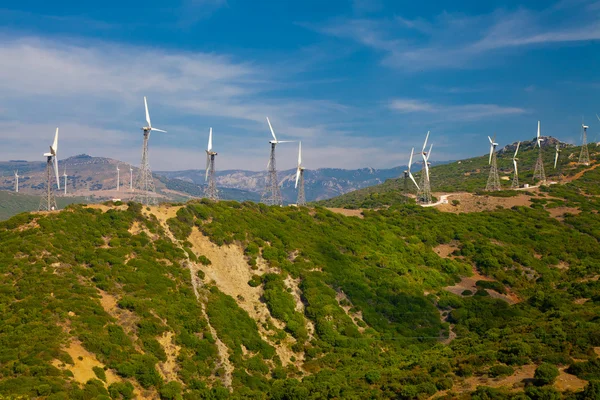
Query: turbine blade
(517, 150)
(429, 152)
(515, 164)
(56, 172)
(271, 128)
(598, 117)
(299, 154)
(425, 143)
(413, 179)
(55, 144)
(147, 113)
(490, 139)
(207, 166)
(491, 152)
(285, 141)
(410, 159)
(158, 130)
(539, 131)
(297, 177)
(210, 140)
(426, 166)
(556, 157)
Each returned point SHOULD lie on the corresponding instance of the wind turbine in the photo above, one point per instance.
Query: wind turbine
(493, 182)
(145, 183)
(300, 178)
(556, 155)
(118, 177)
(211, 189)
(515, 182)
(65, 176)
(424, 192)
(48, 201)
(17, 181)
(272, 193)
(130, 178)
(538, 172)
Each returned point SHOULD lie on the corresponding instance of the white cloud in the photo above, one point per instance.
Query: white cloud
(464, 112)
(460, 41)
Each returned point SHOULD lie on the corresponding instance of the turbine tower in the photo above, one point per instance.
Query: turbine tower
(272, 193)
(584, 156)
(424, 192)
(48, 201)
(211, 191)
(515, 182)
(17, 181)
(300, 178)
(118, 177)
(65, 176)
(538, 172)
(145, 182)
(493, 183)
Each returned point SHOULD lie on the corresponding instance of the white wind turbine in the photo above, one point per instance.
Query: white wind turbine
(272, 193)
(145, 180)
(211, 189)
(539, 137)
(118, 177)
(130, 178)
(515, 183)
(424, 192)
(17, 181)
(300, 178)
(65, 176)
(538, 172)
(48, 201)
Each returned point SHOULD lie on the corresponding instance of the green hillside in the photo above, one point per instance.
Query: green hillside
(240, 300)
(14, 203)
(468, 175)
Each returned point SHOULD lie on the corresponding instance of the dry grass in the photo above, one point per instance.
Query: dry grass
(348, 213)
(168, 369)
(473, 203)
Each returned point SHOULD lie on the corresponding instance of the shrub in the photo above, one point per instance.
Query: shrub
(100, 373)
(501, 370)
(545, 374)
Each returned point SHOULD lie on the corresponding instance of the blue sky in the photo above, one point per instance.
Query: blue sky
(359, 82)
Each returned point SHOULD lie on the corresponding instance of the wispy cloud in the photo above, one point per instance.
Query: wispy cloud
(464, 41)
(464, 112)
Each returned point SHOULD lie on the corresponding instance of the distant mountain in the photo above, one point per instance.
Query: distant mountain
(99, 174)
(319, 184)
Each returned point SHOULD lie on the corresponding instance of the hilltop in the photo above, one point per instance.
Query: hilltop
(238, 300)
(470, 175)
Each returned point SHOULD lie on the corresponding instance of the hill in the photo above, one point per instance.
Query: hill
(471, 175)
(15, 203)
(239, 300)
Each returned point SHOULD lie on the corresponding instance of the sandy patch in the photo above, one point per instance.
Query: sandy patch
(84, 361)
(230, 271)
(566, 381)
(125, 318)
(169, 368)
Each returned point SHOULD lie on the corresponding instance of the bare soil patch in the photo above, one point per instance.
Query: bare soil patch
(354, 316)
(347, 212)
(470, 283)
(473, 203)
(559, 212)
(445, 250)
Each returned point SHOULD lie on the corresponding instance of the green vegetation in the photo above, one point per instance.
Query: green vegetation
(14, 203)
(359, 305)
